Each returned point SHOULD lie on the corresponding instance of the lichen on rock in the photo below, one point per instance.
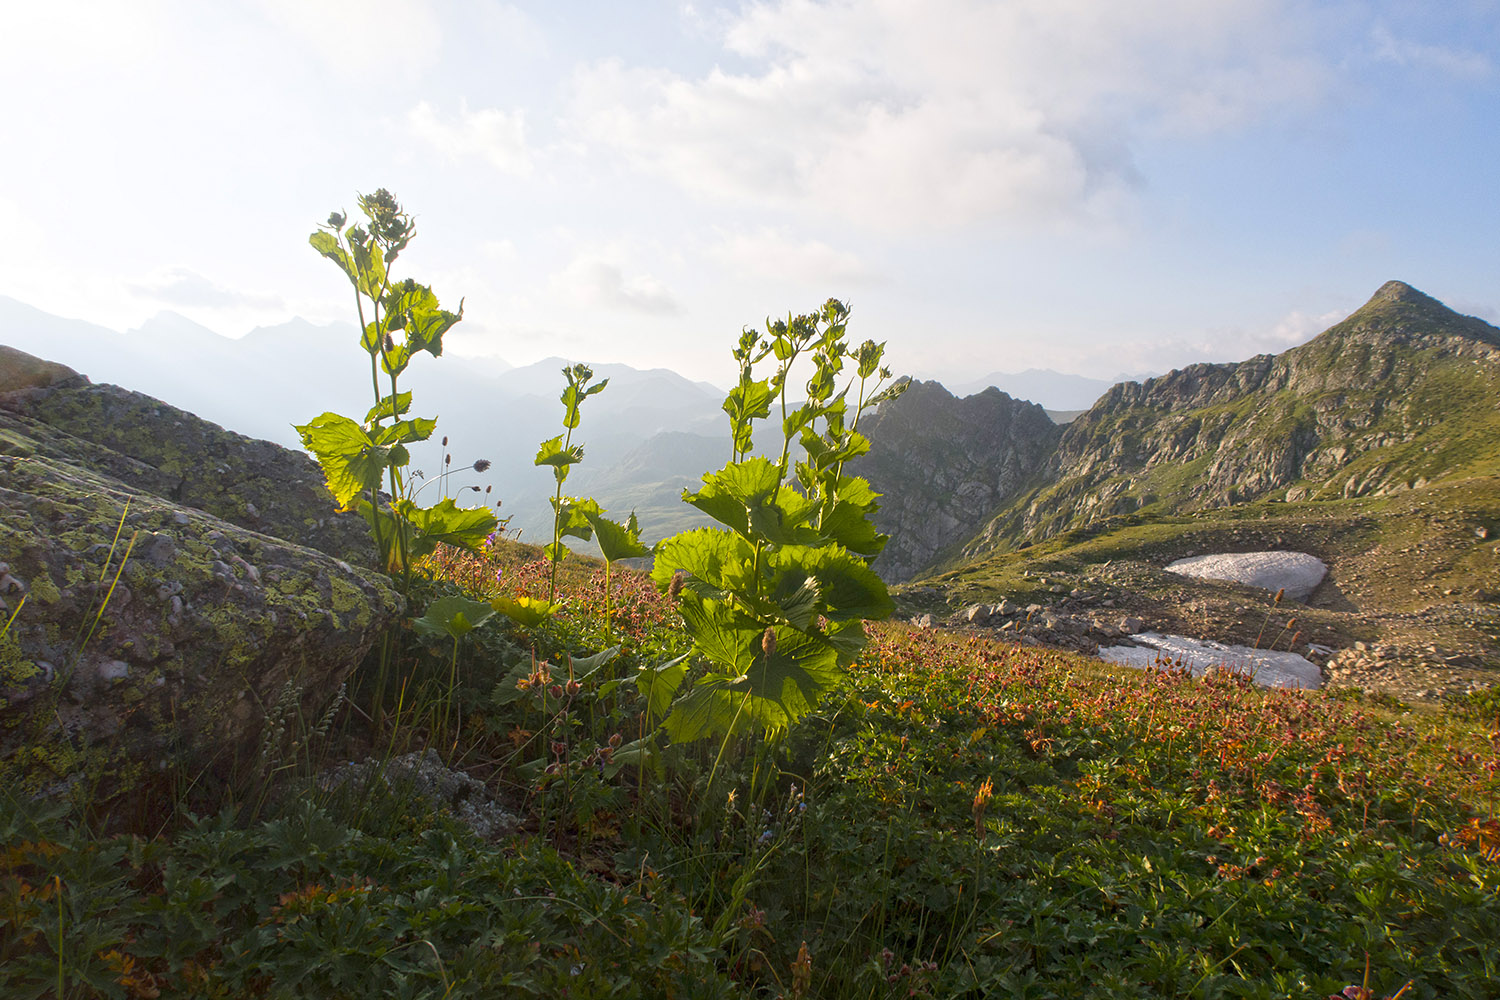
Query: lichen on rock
(157, 628)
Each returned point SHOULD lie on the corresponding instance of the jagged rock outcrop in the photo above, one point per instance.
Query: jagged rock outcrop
(183, 585)
(944, 464)
(1403, 392)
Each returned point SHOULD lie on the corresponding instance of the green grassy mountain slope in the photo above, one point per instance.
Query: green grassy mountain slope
(1403, 393)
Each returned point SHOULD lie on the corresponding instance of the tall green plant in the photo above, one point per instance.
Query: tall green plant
(398, 320)
(582, 518)
(776, 599)
(562, 454)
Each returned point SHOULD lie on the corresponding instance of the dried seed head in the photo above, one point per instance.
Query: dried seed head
(445, 440)
(768, 641)
(482, 465)
(1279, 594)
(1290, 622)
(675, 587)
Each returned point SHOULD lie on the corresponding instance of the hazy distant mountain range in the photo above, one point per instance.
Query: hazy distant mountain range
(646, 437)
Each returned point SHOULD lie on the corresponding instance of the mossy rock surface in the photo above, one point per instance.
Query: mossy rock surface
(160, 449)
(182, 586)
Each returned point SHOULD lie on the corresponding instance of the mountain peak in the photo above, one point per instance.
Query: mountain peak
(1400, 291)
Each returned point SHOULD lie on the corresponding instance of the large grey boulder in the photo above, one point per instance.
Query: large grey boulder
(244, 600)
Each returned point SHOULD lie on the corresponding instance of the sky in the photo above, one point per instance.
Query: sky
(1090, 186)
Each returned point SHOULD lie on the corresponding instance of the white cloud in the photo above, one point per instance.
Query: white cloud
(1459, 63)
(179, 286)
(775, 254)
(498, 137)
(595, 281)
(369, 39)
(950, 112)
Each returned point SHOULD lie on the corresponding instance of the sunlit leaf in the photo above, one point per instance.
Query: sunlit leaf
(350, 461)
(383, 409)
(527, 611)
(616, 540)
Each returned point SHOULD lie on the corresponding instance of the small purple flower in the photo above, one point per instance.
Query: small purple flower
(490, 541)
(500, 575)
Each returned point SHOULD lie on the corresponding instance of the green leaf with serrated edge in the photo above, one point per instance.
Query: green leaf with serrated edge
(850, 589)
(328, 245)
(350, 461)
(382, 410)
(395, 359)
(773, 692)
(748, 401)
(798, 419)
(527, 611)
(848, 525)
(858, 492)
(370, 262)
(659, 684)
(553, 453)
(848, 638)
(733, 496)
(453, 616)
(616, 540)
(889, 393)
(406, 431)
(446, 523)
(555, 552)
(373, 336)
(726, 636)
(583, 667)
(709, 555)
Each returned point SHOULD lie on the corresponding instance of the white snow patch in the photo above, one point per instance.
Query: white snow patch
(1296, 572)
(1267, 667)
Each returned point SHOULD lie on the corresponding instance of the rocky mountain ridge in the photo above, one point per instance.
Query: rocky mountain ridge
(944, 463)
(1402, 393)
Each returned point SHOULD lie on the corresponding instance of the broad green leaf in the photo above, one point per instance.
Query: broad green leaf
(350, 460)
(848, 525)
(746, 402)
(583, 667)
(708, 555)
(798, 419)
(369, 260)
(527, 611)
(452, 616)
(328, 245)
(428, 323)
(573, 515)
(446, 523)
(849, 588)
(775, 691)
(641, 753)
(739, 496)
(395, 359)
(406, 431)
(555, 551)
(383, 410)
(728, 637)
(616, 540)
(553, 453)
(658, 685)
(728, 495)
